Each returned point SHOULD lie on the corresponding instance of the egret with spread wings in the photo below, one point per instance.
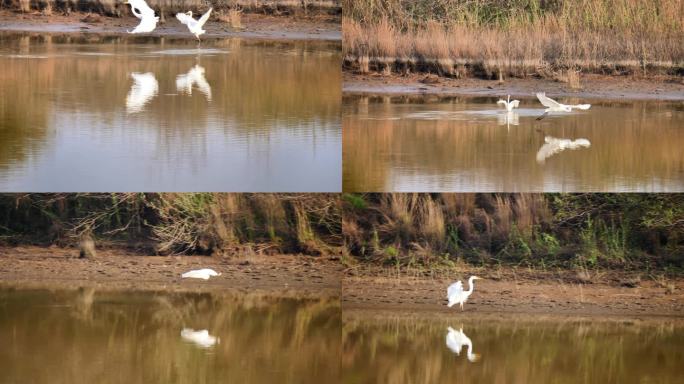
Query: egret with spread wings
(508, 104)
(148, 21)
(195, 26)
(457, 295)
(554, 106)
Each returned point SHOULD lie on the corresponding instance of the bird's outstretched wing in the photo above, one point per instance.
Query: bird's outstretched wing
(456, 287)
(141, 7)
(502, 102)
(515, 103)
(204, 18)
(184, 18)
(547, 102)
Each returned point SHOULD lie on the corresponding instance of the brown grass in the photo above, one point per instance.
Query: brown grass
(611, 37)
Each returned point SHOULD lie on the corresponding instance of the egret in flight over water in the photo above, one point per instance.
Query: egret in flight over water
(455, 340)
(508, 104)
(457, 295)
(195, 26)
(205, 274)
(148, 21)
(201, 338)
(554, 106)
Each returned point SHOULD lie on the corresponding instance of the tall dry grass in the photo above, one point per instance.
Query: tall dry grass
(516, 38)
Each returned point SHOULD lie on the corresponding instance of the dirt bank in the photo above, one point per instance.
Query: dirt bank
(514, 291)
(593, 86)
(53, 267)
(254, 26)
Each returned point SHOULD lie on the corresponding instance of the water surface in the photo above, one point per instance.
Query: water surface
(472, 145)
(475, 348)
(89, 336)
(97, 113)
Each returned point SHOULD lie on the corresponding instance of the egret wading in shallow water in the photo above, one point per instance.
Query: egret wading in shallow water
(205, 274)
(508, 104)
(148, 21)
(195, 26)
(554, 106)
(457, 295)
(455, 340)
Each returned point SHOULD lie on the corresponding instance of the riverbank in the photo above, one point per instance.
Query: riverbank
(592, 86)
(514, 291)
(120, 269)
(254, 26)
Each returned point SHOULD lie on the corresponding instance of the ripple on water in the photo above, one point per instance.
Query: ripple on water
(181, 52)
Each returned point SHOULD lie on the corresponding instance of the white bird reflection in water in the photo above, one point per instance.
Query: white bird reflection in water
(554, 146)
(508, 119)
(455, 340)
(195, 76)
(200, 338)
(145, 87)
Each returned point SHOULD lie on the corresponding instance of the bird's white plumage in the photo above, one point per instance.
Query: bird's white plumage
(148, 21)
(195, 26)
(194, 77)
(204, 273)
(455, 340)
(456, 294)
(145, 87)
(508, 104)
(200, 338)
(554, 106)
(554, 145)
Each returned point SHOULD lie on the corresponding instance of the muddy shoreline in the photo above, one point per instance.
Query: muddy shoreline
(593, 86)
(255, 26)
(513, 291)
(33, 267)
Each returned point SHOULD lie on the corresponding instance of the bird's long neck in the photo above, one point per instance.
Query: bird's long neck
(470, 285)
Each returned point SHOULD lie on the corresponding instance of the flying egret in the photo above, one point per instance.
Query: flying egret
(508, 104)
(145, 87)
(554, 145)
(456, 294)
(205, 274)
(554, 106)
(195, 26)
(201, 338)
(148, 21)
(455, 340)
(195, 76)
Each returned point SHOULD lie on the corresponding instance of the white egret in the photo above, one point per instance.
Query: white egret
(195, 76)
(554, 106)
(554, 145)
(205, 274)
(148, 21)
(195, 26)
(201, 338)
(455, 340)
(145, 87)
(456, 294)
(508, 104)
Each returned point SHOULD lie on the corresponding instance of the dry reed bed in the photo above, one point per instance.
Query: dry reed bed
(541, 38)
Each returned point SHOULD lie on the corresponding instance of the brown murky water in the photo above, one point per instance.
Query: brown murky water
(93, 113)
(470, 145)
(99, 337)
(496, 349)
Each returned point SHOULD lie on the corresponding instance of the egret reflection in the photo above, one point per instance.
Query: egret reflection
(508, 119)
(455, 340)
(194, 77)
(200, 338)
(145, 87)
(554, 146)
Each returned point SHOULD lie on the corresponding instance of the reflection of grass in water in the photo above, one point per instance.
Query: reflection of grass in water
(139, 337)
(404, 349)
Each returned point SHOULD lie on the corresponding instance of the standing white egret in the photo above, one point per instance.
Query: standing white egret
(554, 106)
(195, 76)
(553, 146)
(145, 87)
(201, 338)
(148, 21)
(456, 294)
(205, 274)
(455, 340)
(508, 104)
(195, 26)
